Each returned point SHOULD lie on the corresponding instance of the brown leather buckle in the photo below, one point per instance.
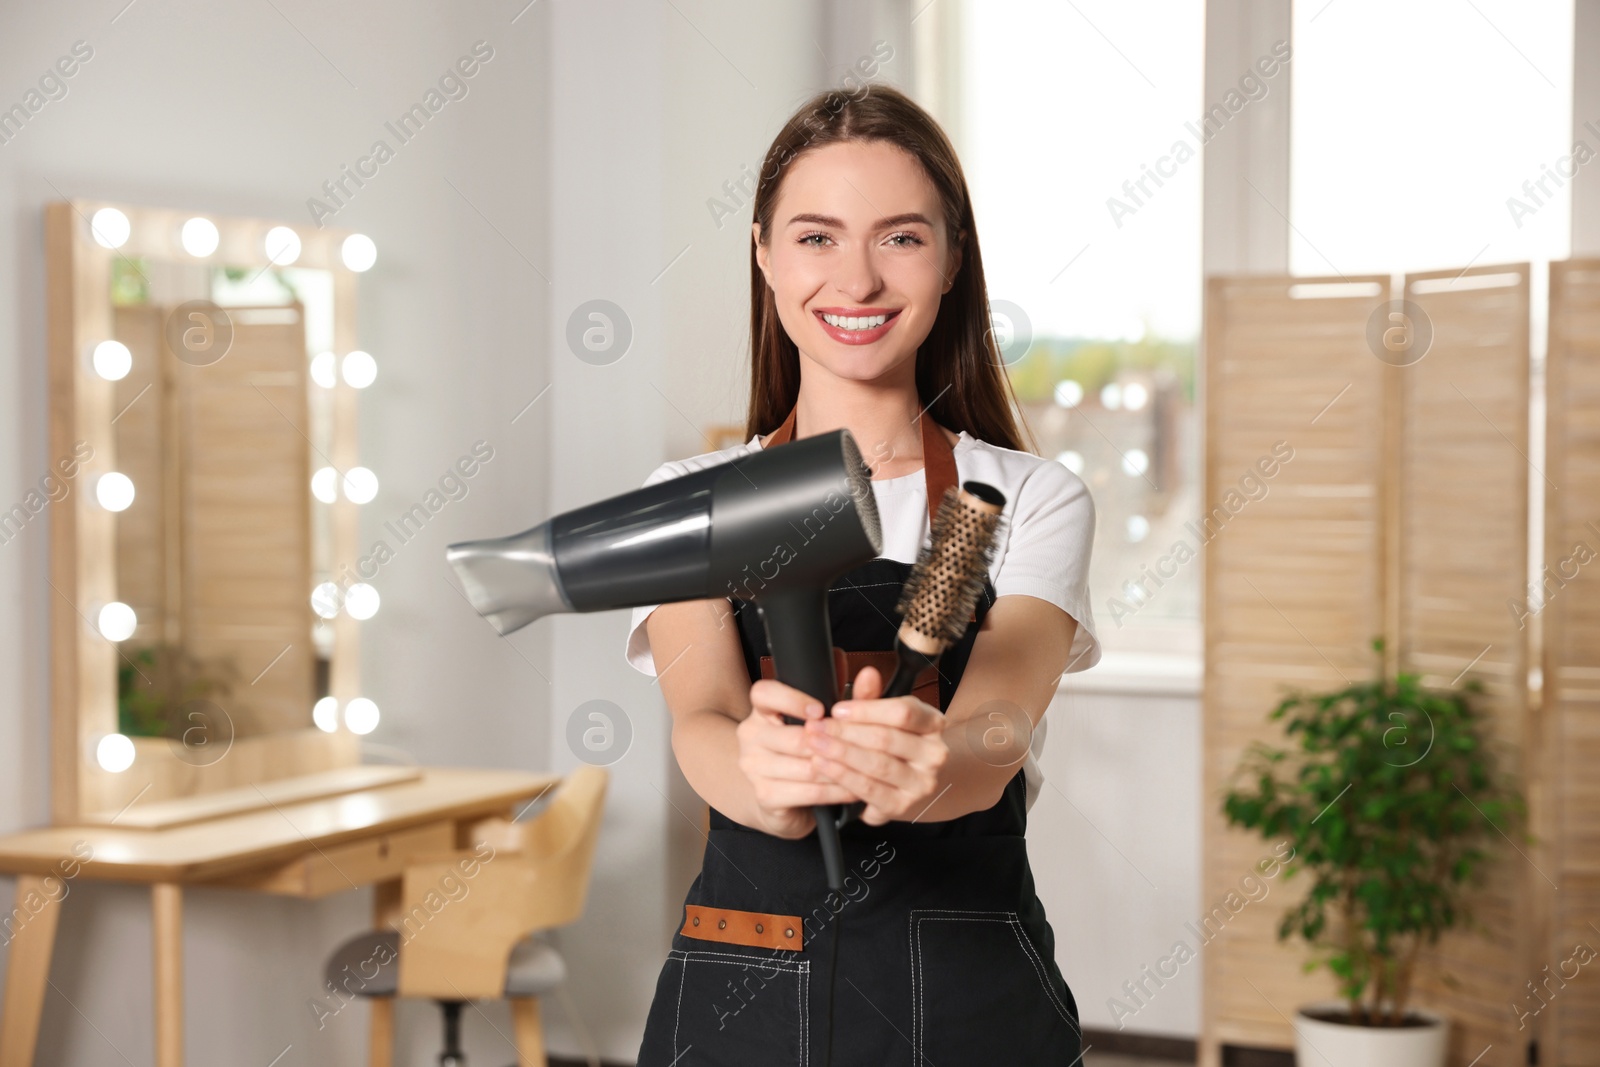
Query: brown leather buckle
(753, 929)
(846, 665)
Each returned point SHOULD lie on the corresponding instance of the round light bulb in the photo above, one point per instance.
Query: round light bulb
(1111, 397)
(325, 713)
(110, 228)
(361, 601)
(323, 370)
(1071, 460)
(117, 621)
(200, 237)
(112, 360)
(359, 369)
(1135, 462)
(1138, 528)
(325, 600)
(114, 753)
(114, 491)
(361, 716)
(325, 485)
(1135, 396)
(360, 485)
(282, 246)
(1069, 394)
(358, 252)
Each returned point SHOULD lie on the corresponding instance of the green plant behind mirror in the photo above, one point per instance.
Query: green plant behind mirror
(156, 683)
(1390, 800)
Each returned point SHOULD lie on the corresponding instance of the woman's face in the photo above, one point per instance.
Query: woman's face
(858, 258)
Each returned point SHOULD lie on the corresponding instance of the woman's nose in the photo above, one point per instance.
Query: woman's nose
(858, 276)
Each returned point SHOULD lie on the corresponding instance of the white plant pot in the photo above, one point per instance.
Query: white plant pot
(1325, 1044)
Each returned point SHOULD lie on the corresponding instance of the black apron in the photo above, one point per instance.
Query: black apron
(945, 958)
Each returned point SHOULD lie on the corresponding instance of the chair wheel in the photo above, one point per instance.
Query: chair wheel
(448, 1060)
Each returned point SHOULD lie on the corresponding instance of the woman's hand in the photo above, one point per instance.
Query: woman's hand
(778, 760)
(888, 752)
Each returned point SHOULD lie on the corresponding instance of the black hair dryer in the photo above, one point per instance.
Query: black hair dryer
(775, 527)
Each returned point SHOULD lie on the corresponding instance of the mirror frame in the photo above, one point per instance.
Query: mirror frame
(83, 663)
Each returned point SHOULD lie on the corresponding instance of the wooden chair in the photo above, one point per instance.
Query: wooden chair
(469, 921)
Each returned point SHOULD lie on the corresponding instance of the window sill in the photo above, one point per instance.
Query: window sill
(1138, 674)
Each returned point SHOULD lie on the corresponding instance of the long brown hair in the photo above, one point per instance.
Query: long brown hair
(960, 374)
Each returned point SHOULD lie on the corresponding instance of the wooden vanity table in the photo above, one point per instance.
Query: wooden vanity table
(360, 828)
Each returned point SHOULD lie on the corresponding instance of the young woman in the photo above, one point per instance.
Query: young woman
(869, 312)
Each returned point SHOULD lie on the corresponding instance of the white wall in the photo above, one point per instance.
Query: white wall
(1114, 840)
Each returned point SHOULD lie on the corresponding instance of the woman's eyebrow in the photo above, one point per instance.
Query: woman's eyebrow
(838, 224)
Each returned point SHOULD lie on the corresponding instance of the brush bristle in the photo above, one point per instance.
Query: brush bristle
(939, 595)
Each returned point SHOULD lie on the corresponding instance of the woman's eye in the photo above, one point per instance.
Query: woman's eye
(904, 240)
(814, 239)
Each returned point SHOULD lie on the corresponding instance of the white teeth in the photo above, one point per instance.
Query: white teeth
(870, 322)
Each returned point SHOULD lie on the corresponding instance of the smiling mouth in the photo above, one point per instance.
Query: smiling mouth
(857, 323)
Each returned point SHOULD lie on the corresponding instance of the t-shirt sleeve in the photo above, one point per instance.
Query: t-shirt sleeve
(637, 647)
(1047, 551)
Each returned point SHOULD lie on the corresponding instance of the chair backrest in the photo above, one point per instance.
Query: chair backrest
(456, 947)
(560, 844)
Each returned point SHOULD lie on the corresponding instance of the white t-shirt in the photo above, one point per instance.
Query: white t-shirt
(1045, 538)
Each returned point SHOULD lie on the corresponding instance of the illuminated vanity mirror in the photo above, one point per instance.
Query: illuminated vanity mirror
(204, 376)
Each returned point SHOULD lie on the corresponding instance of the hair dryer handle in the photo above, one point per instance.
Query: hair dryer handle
(800, 638)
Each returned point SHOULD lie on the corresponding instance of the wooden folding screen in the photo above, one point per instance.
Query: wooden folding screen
(1402, 514)
(1293, 587)
(1462, 452)
(1564, 1001)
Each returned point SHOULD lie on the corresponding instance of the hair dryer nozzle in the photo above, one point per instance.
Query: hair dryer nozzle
(511, 581)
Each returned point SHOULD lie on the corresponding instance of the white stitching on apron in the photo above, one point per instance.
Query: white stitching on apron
(677, 1020)
(1011, 919)
(801, 968)
(1038, 966)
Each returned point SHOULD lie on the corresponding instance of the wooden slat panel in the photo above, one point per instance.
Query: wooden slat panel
(1293, 586)
(245, 454)
(1463, 558)
(1570, 619)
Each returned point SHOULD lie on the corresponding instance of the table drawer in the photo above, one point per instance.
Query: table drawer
(357, 863)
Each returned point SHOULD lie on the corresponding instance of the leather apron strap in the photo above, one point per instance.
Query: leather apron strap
(938, 458)
(939, 474)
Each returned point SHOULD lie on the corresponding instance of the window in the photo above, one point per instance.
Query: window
(1422, 132)
(1070, 120)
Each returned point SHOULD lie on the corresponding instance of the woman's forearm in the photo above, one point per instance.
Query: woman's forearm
(966, 782)
(706, 744)
(1009, 682)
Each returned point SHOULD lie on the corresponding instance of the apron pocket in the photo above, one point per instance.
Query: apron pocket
(981, 993)
(737, 1008)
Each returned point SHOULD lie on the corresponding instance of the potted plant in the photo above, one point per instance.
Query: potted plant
(1390, 797)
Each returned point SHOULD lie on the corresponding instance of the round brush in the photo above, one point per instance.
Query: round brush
(938, 597)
